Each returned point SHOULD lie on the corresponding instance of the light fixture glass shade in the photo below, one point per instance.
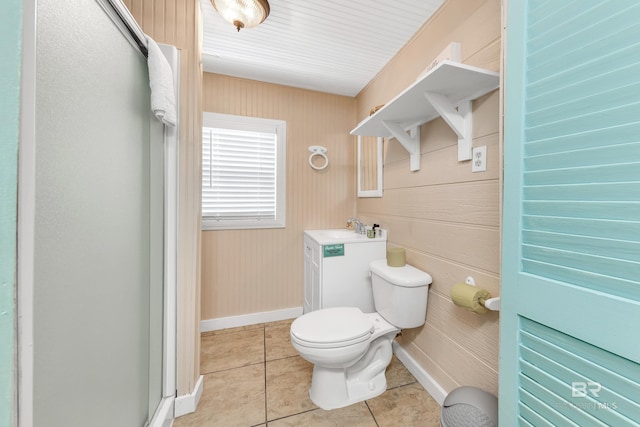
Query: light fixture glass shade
(242, 13)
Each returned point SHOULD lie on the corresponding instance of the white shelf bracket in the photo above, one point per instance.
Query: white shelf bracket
(459, 120)
(410, 141)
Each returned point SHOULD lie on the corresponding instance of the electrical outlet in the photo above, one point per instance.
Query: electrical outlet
(479, 159)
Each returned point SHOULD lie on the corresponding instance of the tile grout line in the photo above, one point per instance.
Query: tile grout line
(293, 415)
(366, 402)
(250, 364)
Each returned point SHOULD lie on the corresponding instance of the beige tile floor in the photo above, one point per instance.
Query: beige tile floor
(253, 377)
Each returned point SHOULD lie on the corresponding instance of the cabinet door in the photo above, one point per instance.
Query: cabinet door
(311, 276)
(308, 280)
(316, 278)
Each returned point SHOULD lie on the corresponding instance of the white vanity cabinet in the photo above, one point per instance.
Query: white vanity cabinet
(336, 269)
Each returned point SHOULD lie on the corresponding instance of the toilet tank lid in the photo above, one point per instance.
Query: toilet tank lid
(406, 276)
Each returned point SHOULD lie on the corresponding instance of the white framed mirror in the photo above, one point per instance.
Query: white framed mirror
(370, 166)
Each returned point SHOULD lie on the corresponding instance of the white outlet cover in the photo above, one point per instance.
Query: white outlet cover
(479, 159)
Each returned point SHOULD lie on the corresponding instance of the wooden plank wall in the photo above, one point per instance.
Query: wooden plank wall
(176, 22)
(253, 271)
(447, 218)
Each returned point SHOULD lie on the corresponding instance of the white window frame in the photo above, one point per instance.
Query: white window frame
(255, 124)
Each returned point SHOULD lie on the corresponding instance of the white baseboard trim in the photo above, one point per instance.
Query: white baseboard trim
(433, 388)
(249, 319)
(188, 403)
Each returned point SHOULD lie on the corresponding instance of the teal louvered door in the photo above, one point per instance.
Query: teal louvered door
(570, 325)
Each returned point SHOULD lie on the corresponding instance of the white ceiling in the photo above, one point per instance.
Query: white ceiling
(326, 45)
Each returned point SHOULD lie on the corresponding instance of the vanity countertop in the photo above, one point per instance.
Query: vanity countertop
(343, 235)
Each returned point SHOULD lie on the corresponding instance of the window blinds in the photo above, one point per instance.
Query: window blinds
(238, 174)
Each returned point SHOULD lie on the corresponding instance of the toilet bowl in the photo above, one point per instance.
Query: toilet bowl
(350, 349)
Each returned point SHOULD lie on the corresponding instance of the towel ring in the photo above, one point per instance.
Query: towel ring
(317, 150)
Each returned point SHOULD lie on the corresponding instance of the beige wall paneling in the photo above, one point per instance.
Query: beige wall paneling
(462, 326)
(253, 271)
(177, 22)
(473, 202)
(469, 245)
(446, 217)
(454, 364)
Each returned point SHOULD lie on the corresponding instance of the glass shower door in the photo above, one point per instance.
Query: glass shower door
(98, 251)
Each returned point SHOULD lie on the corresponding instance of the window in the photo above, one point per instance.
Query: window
(243, 172)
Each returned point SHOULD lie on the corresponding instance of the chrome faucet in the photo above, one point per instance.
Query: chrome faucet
(359, 226)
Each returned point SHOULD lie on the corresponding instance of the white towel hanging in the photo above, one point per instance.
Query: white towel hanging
(163, 100)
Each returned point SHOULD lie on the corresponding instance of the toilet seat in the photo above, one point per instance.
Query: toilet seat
(332, 327)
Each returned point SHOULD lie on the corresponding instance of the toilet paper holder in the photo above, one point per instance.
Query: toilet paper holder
(492, 304)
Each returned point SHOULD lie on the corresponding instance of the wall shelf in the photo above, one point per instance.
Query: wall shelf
(447, 92)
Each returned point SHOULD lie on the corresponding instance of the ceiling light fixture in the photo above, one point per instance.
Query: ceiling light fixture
(243, 13)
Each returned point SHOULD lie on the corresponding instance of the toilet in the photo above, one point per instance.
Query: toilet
(350, 349)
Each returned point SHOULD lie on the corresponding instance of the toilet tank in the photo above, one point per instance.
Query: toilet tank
(400, 293)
